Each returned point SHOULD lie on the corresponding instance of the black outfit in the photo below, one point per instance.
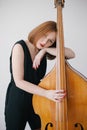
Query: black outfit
(18, 105)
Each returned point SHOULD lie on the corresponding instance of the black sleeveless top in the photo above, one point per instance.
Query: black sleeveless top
(16, 95)
(17, 100)
(30, 74)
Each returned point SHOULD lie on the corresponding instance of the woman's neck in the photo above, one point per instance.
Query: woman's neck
(32, 49)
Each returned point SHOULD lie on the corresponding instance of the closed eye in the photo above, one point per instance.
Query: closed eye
(51, 41)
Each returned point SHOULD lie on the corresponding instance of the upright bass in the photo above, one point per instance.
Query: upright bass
(71, 113)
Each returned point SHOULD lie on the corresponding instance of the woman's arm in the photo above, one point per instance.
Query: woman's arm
(68, 52)
(68, 55)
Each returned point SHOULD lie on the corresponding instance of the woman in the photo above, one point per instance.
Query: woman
(26, 75)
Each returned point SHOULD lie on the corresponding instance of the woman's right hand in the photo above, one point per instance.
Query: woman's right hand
(38, 58)
(55, 95)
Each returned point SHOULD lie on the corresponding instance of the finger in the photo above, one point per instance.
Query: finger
(34, 65)
(58, 100)
(60, 91)
(60, 94)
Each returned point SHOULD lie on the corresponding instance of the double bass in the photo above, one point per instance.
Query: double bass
(71, 113)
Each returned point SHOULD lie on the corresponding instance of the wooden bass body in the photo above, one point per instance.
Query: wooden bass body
(76, 85)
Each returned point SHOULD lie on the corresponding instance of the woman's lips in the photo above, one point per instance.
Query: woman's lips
(41, 45)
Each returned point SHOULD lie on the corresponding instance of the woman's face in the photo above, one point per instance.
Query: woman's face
(46, 40)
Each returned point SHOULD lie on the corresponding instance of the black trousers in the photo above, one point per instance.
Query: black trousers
(19, 110)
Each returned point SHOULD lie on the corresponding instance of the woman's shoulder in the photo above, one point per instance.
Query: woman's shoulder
(19, 44)
(18, 47)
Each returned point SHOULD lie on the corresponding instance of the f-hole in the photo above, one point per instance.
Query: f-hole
(78, 124)
(48, 124)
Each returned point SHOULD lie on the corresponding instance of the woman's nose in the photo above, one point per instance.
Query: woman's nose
(44, 41)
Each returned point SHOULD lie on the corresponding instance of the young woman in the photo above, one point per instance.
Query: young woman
(26, 73)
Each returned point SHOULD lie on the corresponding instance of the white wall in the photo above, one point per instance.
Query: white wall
(18, 17)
